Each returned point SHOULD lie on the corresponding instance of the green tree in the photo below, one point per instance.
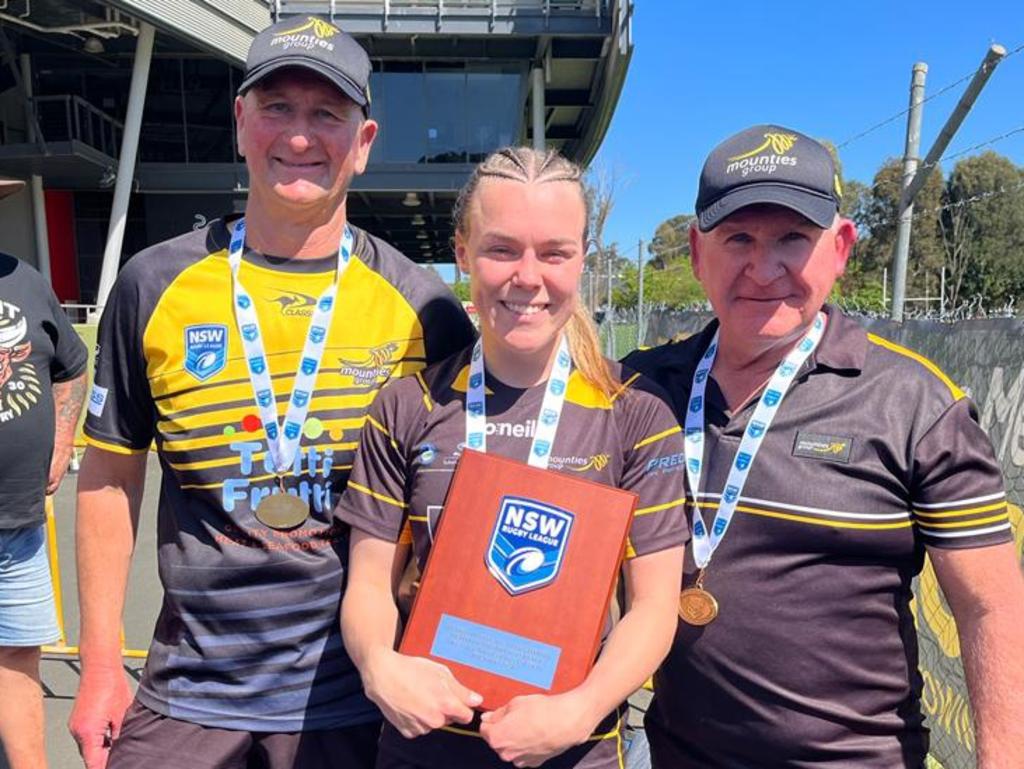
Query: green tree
(875, 210)
(671, 241)
(982, 228)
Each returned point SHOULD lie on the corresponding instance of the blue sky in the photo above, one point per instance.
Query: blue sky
(701, 71)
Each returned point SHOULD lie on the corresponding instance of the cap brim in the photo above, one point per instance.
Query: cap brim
(819, 209)
(10, 186)
(343, 84)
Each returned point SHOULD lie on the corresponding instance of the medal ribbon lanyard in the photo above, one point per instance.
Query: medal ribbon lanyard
(705, 544)
(550, 409)
(283, 443)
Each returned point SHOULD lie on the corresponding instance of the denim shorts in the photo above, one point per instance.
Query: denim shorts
(27, 613)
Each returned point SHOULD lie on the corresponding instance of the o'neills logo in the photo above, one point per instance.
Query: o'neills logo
(314, 33)
(766, 157)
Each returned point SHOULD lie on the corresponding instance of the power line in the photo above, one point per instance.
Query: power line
(935, 95)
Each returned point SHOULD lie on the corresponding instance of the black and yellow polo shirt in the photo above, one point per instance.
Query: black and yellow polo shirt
(412, 443)
(812, 661)
(248, 634)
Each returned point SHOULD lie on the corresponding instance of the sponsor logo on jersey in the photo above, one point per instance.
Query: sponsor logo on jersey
(528, 543)
(294, 303)
(97, 400)
(373, 366)
(206, 348)
(666, 463)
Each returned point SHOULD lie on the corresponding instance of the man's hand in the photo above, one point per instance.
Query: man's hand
(529, 730)
(417, 695)
(95, 722)
(58, 467)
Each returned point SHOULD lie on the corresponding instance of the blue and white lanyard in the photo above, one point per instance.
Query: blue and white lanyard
(550, 409)
(705, 544)
(283, 443)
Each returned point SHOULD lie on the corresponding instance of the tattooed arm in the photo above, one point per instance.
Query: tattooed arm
(67, 402)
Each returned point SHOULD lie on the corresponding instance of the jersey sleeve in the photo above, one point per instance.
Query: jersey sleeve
(374, 500)
(653, 469)
(120, 415)
(957, 492)
(70, 355)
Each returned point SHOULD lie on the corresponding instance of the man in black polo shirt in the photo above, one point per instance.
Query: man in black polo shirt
(824, 463)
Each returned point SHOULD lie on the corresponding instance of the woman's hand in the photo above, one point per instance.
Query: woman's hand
(530, 730)
(417, 695)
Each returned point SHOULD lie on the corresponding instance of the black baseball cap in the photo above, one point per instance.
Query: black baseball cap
(768, 164)
(315, 44)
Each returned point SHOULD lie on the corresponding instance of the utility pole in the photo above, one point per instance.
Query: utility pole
(910, 158)
(608, 311)
(640, 292)
(917, 177)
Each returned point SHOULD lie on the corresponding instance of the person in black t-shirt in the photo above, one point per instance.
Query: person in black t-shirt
(42, 387)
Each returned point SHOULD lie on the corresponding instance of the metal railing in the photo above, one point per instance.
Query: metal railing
(68, 117)
(492, 8)
(80, 313)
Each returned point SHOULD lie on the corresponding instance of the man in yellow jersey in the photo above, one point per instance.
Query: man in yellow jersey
(248, 352)
(822, 464)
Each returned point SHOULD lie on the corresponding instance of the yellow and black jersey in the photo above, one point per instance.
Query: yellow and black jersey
(873, 455)
(247, 637)
(414, 437)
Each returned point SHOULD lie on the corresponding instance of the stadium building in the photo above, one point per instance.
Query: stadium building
(92, 89)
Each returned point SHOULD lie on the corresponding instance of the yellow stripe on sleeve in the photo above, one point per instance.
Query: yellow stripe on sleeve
(658, 436)
(964, 524)
(955, 391)
(958, 513)
(426, 392)
(378, 425)
(112, 447)
(376, 495)
(656, 508)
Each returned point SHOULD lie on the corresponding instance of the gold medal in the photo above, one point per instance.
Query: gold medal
(696, 605)
(282, 511)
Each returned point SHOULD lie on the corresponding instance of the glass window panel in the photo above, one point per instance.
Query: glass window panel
(446, 117)
(494, 110)
(208, 110)
(400, 102)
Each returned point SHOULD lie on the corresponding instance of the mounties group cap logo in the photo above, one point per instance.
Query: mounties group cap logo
(779, 143)
(528, 543)
(322, 29)
(206, 347)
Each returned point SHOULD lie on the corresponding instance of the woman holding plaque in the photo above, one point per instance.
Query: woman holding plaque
(520, 235)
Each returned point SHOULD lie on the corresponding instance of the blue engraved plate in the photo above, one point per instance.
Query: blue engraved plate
(495, 651)
(528, 543)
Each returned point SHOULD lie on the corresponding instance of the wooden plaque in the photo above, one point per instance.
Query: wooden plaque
(516, 589)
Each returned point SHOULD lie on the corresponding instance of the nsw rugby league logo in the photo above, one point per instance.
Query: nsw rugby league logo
(528, 544)
(206, 348)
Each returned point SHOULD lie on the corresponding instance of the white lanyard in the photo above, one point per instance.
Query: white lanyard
(283, 443)
(704, 544)
(550, 409)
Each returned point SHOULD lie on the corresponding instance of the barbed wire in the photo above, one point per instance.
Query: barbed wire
(937, 94)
